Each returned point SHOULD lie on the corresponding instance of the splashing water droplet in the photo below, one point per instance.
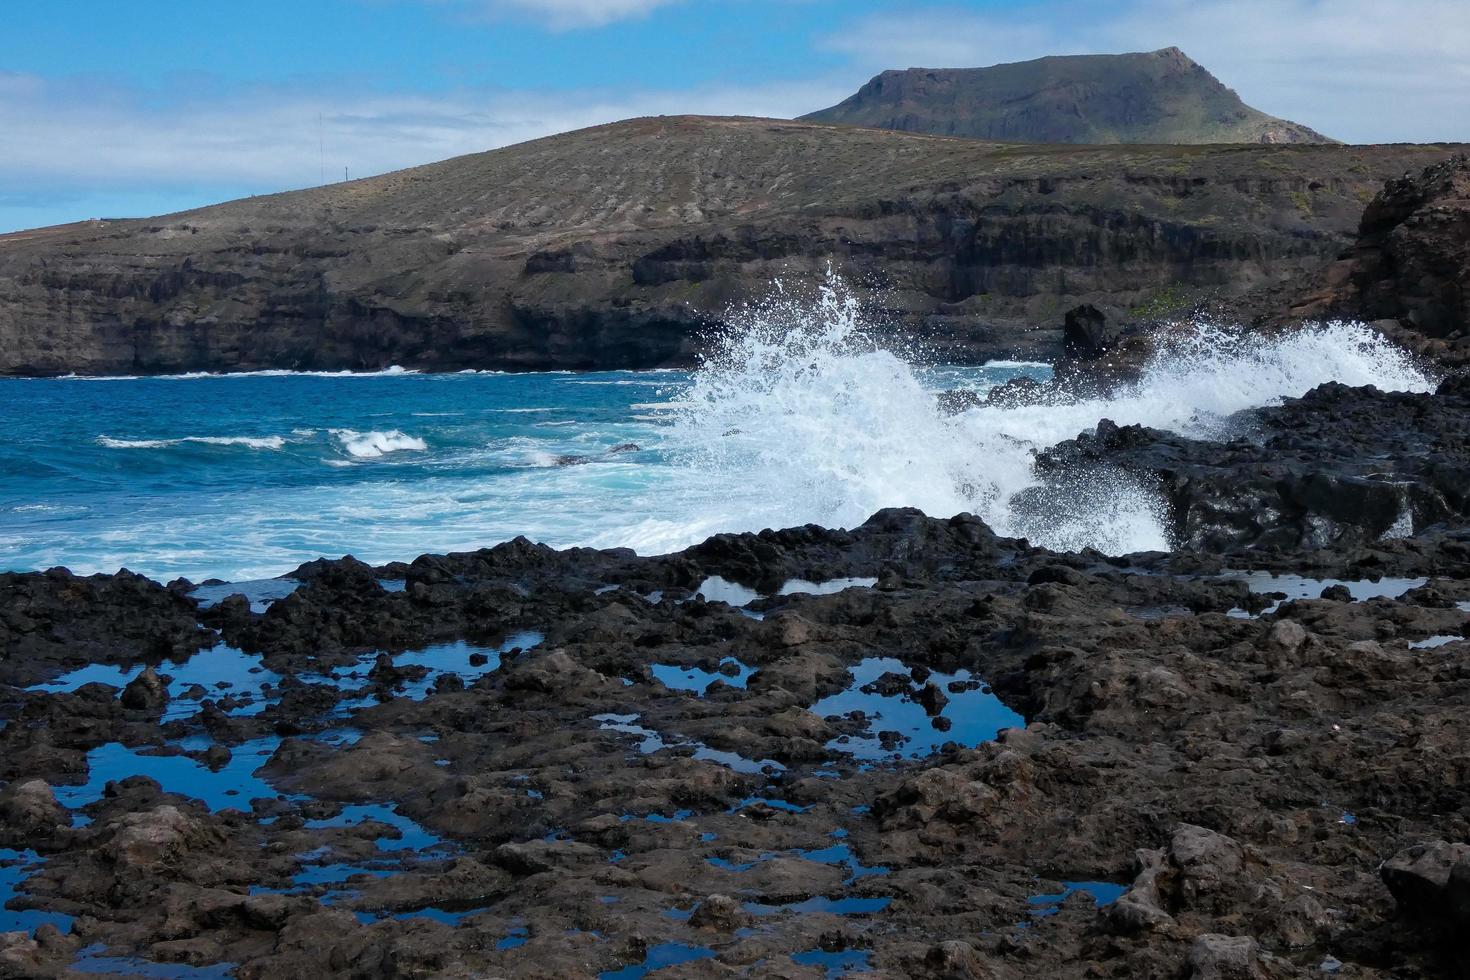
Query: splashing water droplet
(801, 417)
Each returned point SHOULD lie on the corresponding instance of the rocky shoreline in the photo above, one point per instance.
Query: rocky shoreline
(913, 749)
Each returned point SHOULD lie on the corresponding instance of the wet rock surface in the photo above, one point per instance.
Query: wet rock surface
(1410, 266)
(1339, 466)
(981, 759)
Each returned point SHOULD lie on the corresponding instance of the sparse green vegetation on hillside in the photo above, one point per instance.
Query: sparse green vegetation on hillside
(1155, 97)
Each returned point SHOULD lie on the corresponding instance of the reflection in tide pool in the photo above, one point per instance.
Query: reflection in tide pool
(15, 867)
(657, 958)
(800, 586)
(411, 835)
(468, 661)
(972, 714)
(717, 589)
(260, 593)
(1297, 587)
(1434, 641)
(1101, 892)
(92, 959)
(651, 741)
(232, 785)
(221, 672)
(699, 681)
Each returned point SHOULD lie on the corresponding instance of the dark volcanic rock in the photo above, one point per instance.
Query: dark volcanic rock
(1432, 881)
(1338, 466)
(1087, 332)
(1410, 267)
(1412, 260)
(146, 692)
(56, 620)
(1189, 790)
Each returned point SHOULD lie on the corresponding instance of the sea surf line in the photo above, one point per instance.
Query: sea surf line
(796, 417)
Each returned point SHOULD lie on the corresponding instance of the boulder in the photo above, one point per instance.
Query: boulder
(156, 840)
(955, 959)
(1141, 907)
(1431, 880)
(719, 912)
(1206, 861)
(1216, 957)
(146, 692)
(29, 808)
(535, 857)
(1087, 333)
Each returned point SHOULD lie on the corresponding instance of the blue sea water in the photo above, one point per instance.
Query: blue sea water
(795, 419)
(247, 476)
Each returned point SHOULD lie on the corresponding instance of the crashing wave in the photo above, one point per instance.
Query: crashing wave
(372, 445)
(798, 403)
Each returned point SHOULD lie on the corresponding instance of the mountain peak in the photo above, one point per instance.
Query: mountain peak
(1161, 96)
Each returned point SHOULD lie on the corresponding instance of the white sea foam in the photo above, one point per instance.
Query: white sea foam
(250, 442)
(279, 373)
(92, 377)
(48, 509)
(272, 373)
(801, 418)
(372, 445)
(541, 459)
(1017, 364)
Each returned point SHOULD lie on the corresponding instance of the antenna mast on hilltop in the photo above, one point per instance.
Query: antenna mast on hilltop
(321, 149)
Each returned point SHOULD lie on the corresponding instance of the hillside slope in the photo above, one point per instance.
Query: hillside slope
(613, 246)
(1153, 97)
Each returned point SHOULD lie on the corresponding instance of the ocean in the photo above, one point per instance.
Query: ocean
(794, 419)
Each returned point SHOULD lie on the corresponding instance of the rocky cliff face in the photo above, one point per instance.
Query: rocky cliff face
(1410, 265)
(1145, 97)
(615, 246)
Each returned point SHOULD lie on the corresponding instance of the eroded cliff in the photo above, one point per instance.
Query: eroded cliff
(613, 247)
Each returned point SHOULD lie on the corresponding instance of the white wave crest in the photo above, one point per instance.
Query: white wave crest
(803, 419)
(372, 445)
(250, 442)
(269, 373)
(282, 373)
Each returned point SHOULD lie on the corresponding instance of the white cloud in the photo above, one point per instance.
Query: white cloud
(587, 13)
(563, 15)
(270, 139)
(1360, 70)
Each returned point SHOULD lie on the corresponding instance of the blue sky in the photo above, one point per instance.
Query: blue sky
(112, 108)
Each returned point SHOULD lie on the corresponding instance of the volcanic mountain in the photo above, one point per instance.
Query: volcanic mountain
(617, 246)
(1153, 97)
